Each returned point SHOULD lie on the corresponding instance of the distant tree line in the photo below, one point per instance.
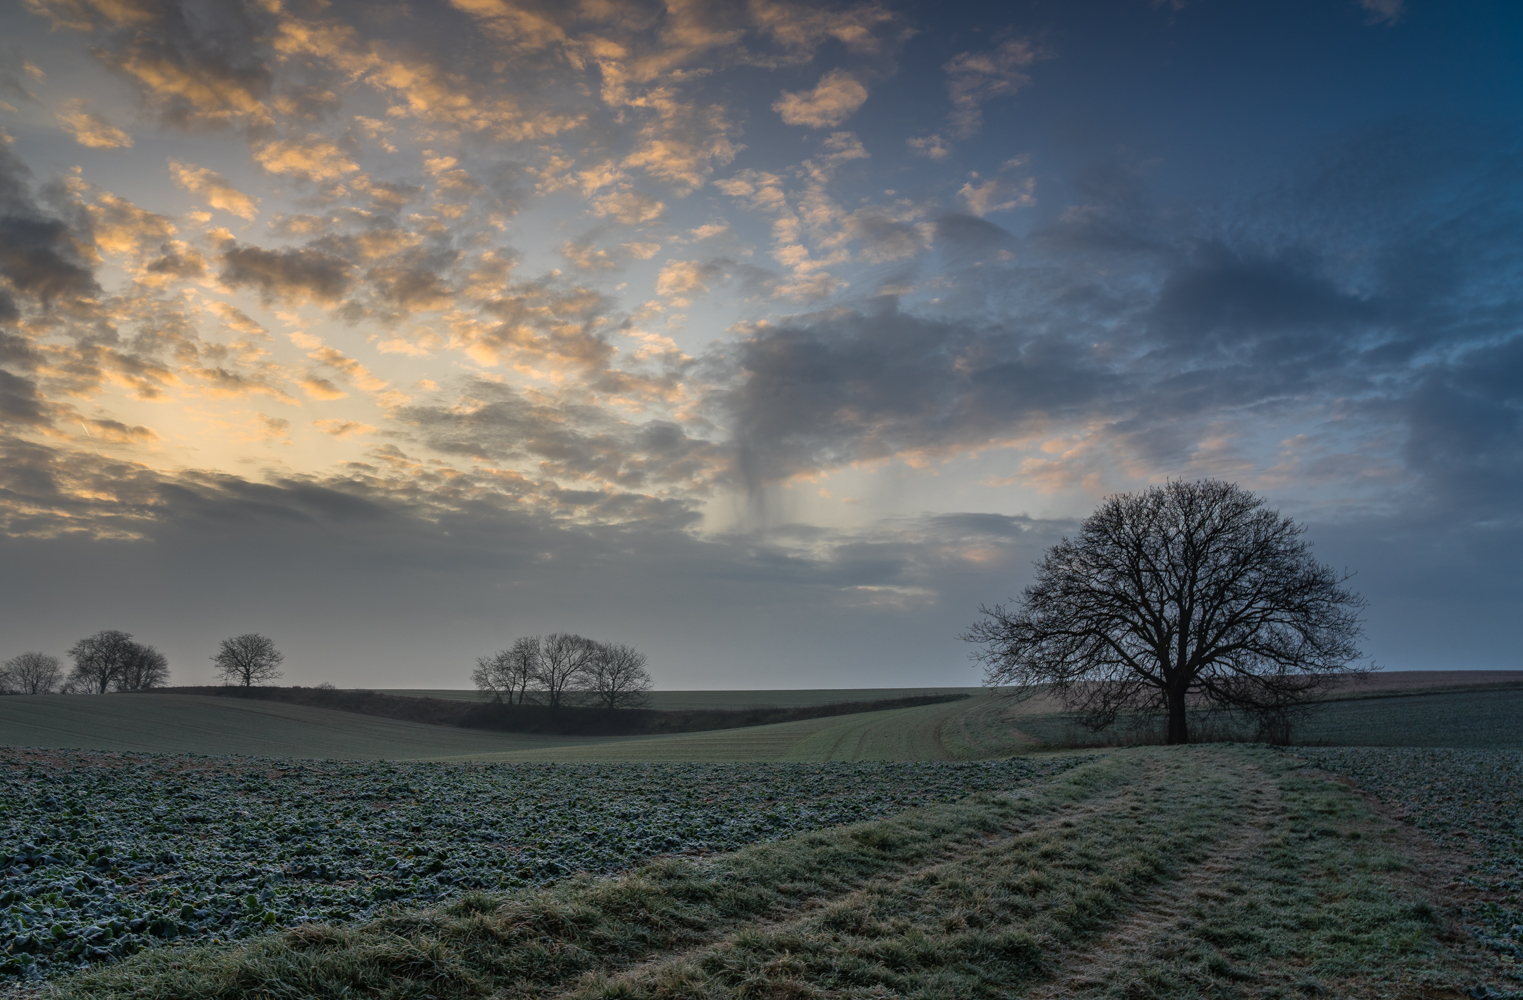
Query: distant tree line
(563, 668)
(111, 660)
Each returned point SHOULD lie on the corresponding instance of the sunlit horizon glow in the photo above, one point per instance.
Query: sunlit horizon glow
(397, 330)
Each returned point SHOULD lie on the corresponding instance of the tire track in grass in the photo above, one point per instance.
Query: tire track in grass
(1163, 913)
(978, 923)
(658, 969)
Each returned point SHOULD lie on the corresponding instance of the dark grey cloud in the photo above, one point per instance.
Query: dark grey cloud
(578, 443)
(20, 403)
(830, 390)
(282, 275)
(42, 261)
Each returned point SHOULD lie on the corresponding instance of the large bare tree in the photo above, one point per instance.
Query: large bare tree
(31, 673)
(98, 660)
(508, 674)
(142, 668)
(248, 659)
(563, 661)
(616, 676)
(1184, 595)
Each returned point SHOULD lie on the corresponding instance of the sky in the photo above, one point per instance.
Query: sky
(772, 338)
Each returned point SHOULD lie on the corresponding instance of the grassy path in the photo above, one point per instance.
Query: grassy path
(1167, 872)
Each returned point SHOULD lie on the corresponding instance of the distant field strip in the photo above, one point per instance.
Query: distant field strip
(962, 730)
(175, 723)
(1166, 872)
(676, 701)
(171, 723)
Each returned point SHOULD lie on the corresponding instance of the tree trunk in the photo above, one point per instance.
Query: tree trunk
(1179, 728)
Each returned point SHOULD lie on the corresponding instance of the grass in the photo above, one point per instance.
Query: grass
(1155, 872)
(1475, 718)
(927, 732)
(976, 728)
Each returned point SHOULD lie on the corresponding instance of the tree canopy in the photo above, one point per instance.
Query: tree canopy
(248, 659)
(1177, 596)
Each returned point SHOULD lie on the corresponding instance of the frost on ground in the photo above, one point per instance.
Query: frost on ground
(103, 854)
(1466, 798)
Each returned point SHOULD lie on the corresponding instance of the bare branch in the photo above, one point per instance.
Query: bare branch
(1179, 595)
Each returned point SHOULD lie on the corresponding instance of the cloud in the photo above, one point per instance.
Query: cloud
(119, 226)
(834, 99)
(91, 129)
(221, 382)
(629, 207)
(975, 78)
(312, 157)
(343, 428)
(42, 260)
(320, 388)
(997, 194)
(680, 280)
(1384, 11)
(932, 147)
(854, 387)
(292, 276)
(216, 189)
(588, 257)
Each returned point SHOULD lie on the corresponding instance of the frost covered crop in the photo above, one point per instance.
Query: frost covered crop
(1468, 798)
(104, 854)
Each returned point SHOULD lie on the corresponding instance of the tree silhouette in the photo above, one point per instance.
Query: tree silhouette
(98, 660)
(30, 673)
(246, 660)
(1180, 595)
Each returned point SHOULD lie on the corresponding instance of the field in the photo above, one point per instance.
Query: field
(171, 723)
(1150, 872)
(928, 852)
(983, 726)
(1470, 802)
(729, 700)
(196, 723)
(107, 853)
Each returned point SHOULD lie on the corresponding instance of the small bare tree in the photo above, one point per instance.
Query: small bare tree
(491, 676)
(616, 676)
(508, 674)
(246, 660)
(142, 667)
(98, 660)
(1189, 594)
(563, 663)
(31, 673)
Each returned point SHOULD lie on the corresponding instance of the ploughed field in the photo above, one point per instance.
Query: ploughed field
(107, 853)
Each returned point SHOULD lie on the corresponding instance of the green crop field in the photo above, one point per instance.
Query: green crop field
(1149, 873)
(971, 729)
(979, 727)
(173, 723)
(1483, 718)
(212, 725)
